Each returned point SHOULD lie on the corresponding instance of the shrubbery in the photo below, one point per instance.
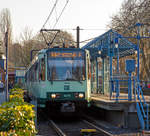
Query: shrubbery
(16, 116)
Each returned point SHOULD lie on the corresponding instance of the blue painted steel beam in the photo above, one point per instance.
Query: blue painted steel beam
(107, 41)
(96, 39)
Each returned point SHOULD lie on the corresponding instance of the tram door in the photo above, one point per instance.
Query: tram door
(93, 77)
(100, 79)
(88, 75)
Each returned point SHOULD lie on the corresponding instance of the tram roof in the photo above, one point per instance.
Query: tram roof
(106, 44)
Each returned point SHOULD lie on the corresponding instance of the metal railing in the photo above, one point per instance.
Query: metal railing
(121, 88)
(129, 89)
(142, 106)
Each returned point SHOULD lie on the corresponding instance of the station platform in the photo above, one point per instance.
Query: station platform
(105, 102)
(121, 113)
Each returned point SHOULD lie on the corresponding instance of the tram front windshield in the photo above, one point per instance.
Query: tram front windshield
(66, 65)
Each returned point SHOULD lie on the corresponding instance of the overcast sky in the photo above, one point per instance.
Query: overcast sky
(88, 14)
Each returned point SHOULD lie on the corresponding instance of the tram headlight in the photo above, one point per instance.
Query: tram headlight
(53, 96)
(81, 95)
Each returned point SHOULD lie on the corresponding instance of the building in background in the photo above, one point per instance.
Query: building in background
(20, 76)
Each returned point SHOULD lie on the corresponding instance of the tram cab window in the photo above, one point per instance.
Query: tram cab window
(42, 70)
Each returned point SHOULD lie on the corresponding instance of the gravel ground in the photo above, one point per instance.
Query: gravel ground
(44, 129)
(115, 130)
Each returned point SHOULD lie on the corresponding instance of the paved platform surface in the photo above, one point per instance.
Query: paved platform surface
(104, 101)
(106, 98)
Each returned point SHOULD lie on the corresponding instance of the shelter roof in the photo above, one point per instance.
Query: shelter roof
(107, 44)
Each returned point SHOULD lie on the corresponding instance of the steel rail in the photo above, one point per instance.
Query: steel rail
(57, 129)
(98, 128)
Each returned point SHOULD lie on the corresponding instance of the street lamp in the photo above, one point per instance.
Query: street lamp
(99, 52)
(116, 45)
(6, 79)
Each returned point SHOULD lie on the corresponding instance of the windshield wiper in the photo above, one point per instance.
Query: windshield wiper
(70, 79)
(79, 80)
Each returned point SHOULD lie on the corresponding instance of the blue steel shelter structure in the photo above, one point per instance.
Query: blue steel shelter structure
(111, 46)
(106, 52)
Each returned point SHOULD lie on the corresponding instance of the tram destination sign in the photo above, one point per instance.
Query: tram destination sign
(65, 54)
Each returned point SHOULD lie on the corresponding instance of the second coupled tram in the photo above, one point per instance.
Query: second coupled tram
(59, 78)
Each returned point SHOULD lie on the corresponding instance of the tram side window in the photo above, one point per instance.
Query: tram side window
(36, 71)
(39, 69)
(26, 77)
(32, 73)
(42, 70)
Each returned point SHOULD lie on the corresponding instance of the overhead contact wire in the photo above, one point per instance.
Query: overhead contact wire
(61, 14)
(50, 13)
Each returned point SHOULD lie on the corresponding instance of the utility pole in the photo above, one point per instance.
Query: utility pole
(1, 52)
(6, 79)
(78, 36)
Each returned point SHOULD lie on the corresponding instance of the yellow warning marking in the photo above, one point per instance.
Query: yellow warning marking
(88, 130)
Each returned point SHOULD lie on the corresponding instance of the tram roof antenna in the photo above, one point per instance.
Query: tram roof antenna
(50, 30)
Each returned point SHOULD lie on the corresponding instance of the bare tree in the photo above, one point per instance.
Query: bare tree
(131, 12)
(6, 26)
(16, 53)
(62, 38)
(28, 42)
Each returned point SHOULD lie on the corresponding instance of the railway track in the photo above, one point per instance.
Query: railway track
(77, 128)
(98, 128)
(87, 125)
(68, 127)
